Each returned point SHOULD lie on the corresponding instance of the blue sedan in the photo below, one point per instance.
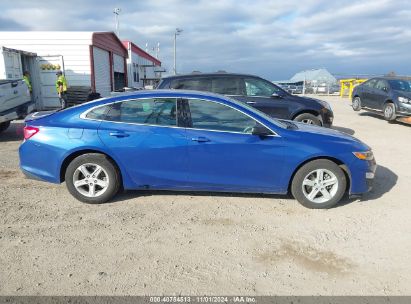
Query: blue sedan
(188, 140)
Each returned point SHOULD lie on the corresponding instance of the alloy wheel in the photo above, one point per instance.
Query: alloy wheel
(90, 180)
(320, 186)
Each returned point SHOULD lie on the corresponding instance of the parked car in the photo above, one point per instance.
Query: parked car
(15, 101)
(257, 92)
(188, 140)
(390, 96)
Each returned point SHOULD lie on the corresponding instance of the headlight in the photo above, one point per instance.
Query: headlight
(404, 100)
(367, 155)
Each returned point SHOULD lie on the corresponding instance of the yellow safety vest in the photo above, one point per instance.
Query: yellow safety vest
(26, 79)
(61, 80)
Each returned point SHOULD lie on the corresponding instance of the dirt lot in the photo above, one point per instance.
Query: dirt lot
(190, 243)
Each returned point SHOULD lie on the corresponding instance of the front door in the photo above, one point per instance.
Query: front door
(225, 156)
(145, 137)
(265, 97)
(379, 95)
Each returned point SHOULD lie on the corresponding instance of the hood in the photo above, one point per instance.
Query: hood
(403, 93)
(327, 134)
(313, 100)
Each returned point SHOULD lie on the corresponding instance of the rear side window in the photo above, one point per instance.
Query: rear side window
(198, 84)
(152, 111)
(227, 86)
(98, 113)
(370, 83)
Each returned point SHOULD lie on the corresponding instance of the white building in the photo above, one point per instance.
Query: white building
(143, 69)
(91, 61)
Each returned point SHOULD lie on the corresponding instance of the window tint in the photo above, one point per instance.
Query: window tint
(215, 116)
(259, 87)
(98, 113)
(159, 111)
(199, 84)
(227, 86)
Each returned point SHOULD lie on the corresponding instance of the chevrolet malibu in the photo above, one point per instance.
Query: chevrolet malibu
(195, 141)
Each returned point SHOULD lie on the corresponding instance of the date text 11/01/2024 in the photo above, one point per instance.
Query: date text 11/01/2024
(202, 299)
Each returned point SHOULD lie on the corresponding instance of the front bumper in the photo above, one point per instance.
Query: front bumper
(362, 176)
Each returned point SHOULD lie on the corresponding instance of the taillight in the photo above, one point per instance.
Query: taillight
(30, 131)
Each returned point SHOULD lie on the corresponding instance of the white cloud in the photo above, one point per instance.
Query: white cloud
(270, 38)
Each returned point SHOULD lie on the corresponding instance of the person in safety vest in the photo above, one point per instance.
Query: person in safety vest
(26, 79)
(61, 87)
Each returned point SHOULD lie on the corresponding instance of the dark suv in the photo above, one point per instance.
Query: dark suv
(257, 92)
(390, 96)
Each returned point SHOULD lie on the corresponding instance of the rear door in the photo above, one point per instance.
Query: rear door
(223, 154)
(49, 65)
(366, 92)
(145, 137)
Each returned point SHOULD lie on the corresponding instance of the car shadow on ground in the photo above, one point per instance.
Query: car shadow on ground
(384, 181)
(130, 194)
(344, 130)
(380, 117)
(13, 133)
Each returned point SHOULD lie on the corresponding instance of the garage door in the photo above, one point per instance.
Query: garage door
(102, 71)
(118, 63)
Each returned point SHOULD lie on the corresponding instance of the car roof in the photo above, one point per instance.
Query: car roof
(215, 74)
(392, 78)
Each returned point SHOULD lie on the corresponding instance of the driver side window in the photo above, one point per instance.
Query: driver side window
(257, 87)
(151, 111)
(209, 115)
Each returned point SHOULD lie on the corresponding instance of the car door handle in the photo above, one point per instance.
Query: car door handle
(200, 139)
(119, 134)
(251, 102)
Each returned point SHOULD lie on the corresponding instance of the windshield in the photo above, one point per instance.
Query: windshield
(400, 85)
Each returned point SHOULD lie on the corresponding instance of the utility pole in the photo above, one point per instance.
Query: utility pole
(177, 32)
(116, 13)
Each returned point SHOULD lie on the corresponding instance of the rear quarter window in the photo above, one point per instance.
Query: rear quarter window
(98, 113)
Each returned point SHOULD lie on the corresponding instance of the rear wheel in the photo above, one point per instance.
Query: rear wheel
(389, 111)
(356, 103)
(4, 126)
(308, 119)
(319, 184)
(92, 178)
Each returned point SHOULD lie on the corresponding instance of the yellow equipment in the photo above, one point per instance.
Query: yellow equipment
(349, 84)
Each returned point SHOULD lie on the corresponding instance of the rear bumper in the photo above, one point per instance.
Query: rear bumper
(17, 112)
(327, 118)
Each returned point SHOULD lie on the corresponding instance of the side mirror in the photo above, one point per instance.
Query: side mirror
(385, 89)
(275, 95)
(260, 130)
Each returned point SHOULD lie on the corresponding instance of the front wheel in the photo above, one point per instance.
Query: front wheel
(389, 112)
(308, 119)
(92, 178)
(319, 184)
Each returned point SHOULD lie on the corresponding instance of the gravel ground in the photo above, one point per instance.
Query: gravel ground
(190, 243)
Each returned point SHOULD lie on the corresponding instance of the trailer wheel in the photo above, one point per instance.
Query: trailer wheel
(4, 126)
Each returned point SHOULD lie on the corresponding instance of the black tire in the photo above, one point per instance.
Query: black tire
(4, 126)
(298, 188)
(389, 111)
(356, 104)
(308, 119)
(113, 178)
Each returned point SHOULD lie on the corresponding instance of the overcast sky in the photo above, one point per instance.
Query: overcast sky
(273, 39)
